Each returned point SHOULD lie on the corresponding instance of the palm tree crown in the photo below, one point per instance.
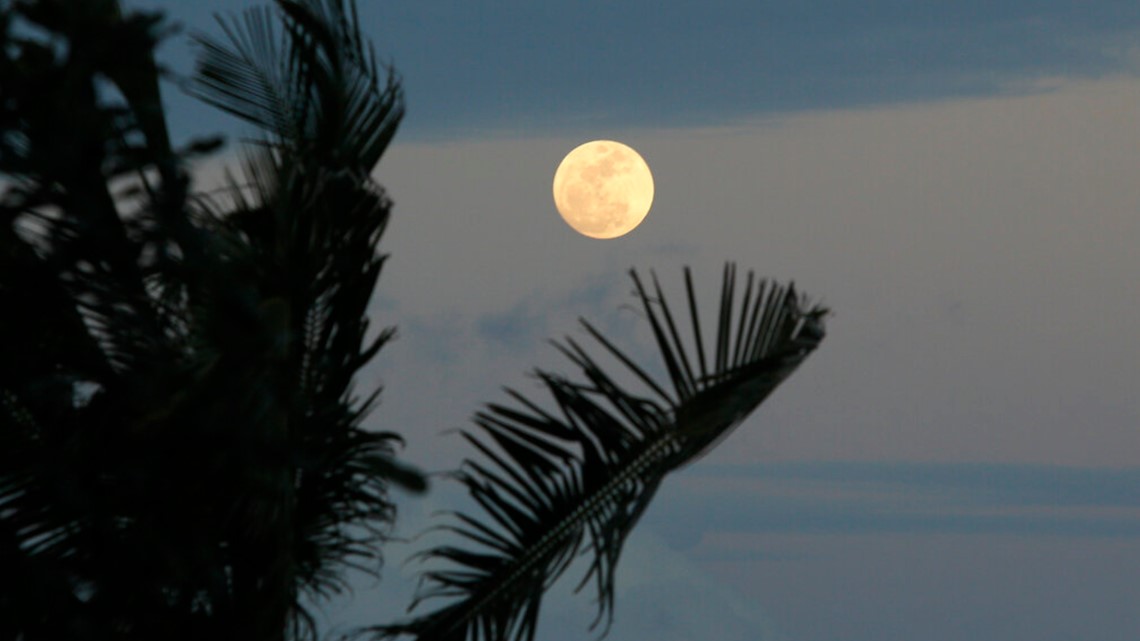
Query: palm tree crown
(183, 454)
(575, 478)
(182, 451)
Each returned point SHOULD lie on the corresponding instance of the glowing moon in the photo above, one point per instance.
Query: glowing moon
(603, 189)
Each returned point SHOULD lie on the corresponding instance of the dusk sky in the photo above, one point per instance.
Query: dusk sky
(957, 181)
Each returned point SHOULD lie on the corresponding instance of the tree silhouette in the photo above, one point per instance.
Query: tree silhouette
(182, 453)
(577, 477)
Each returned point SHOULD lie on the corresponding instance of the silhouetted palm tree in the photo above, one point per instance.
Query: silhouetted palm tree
(574, 478)
(181, 451)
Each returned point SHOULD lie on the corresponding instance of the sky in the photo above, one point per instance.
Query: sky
(957, 181)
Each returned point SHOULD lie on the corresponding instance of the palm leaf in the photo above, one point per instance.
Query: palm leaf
(303, 231)
(575, 479)
(312, 85)
(182, 452)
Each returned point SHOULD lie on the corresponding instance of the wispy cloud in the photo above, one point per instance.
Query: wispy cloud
(528, 323)
(852, 498)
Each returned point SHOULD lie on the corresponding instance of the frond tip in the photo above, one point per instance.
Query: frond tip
(575, 479)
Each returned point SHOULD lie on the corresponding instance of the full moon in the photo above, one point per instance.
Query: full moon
(603, 189)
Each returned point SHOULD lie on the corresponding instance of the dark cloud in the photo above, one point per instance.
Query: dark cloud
(628, 64)
(978, 483)
(525, 68)
(854, 498)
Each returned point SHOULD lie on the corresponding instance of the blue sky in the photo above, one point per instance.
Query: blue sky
(961, 458)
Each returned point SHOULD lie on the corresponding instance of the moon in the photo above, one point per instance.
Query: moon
(603, 189)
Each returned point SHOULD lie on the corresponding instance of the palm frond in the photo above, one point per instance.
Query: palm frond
(575, 479)
(242, 76)
(304, 228)
(182, 451)
(313, 85)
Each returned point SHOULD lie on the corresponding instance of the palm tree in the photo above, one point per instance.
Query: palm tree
(574, 477)
(182, 454)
